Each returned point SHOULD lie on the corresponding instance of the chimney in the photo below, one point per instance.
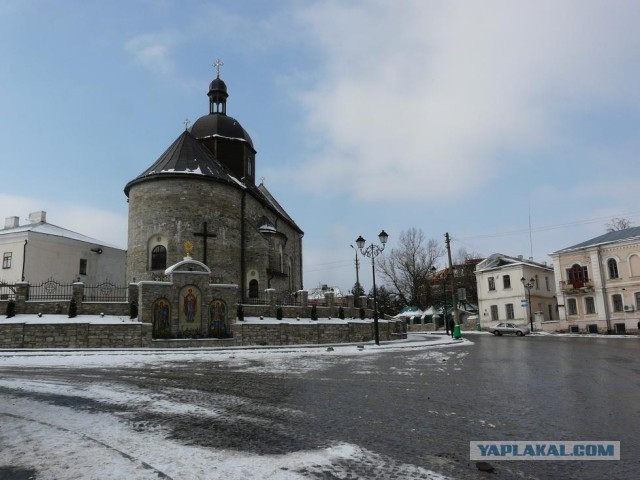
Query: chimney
(11, 222)
(38, 217)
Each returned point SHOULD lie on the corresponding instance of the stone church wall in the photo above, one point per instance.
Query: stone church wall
(176, 208)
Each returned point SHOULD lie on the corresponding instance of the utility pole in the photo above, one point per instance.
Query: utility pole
(357, 270)
(454, 306)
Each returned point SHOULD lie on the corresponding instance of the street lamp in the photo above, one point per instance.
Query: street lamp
(528, 285)
(373, 251)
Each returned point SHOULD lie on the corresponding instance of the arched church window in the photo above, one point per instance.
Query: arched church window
(158, 258)
(253, 289)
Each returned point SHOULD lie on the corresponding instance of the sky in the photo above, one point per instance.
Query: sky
(67, 440)
(513, 126)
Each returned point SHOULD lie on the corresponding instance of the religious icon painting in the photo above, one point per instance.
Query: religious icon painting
(218, 319)
(189, 306)
(161, 318)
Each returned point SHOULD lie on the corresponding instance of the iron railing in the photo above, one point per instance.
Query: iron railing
(105, 292)
(7, 291)
(51, 290)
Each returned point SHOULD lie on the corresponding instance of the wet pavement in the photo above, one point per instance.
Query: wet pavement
(412, 408)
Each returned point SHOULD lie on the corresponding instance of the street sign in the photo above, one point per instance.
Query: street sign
(524, 302)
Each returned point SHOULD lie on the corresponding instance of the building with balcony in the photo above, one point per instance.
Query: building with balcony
(503, 296)
(598, 283)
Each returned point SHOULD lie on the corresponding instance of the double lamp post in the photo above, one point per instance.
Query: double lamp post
(372, 251)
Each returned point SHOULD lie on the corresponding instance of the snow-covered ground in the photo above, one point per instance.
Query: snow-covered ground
(62, 442)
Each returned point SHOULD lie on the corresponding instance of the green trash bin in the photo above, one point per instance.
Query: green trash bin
(478, 327)
(456, 332)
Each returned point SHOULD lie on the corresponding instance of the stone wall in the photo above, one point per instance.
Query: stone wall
(74, 335)
(287, 333)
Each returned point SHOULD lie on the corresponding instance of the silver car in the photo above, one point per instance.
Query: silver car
(506, 327)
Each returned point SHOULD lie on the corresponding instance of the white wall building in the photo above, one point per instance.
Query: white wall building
(598, 284)
(502, 296)
(40, 251)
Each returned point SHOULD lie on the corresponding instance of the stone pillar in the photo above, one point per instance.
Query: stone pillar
(350, 300)
(271, 297)
(329, 299)
(22, 294)
(363, 301)
(304, 298)
(78, 294)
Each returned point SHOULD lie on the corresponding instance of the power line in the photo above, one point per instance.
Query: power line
(545, 228)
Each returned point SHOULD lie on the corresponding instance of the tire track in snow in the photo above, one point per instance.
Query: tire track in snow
(95, 440)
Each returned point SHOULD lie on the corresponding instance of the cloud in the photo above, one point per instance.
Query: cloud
(154, 51)
(420, 99)
(106, 226)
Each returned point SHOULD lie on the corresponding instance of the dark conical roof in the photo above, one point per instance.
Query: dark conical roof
(185, 157)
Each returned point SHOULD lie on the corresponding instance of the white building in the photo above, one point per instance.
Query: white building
(598, 284)
(40, 251)
(503, 296)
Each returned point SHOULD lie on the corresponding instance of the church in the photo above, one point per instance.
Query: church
(200, 200)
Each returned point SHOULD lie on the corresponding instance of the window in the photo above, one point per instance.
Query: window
(6, 260)
(83, 266)
(637, 295)
(550, 312)
(589, 305)
(506, 281)
(577, 275)
(572, 306)
(492, 284)
(617, 302)
(158, 258)
(546, 283)
(612, 266)
(509, 310)
(537, 283)
(494, 312)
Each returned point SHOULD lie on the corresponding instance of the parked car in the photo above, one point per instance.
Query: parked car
(506, 327)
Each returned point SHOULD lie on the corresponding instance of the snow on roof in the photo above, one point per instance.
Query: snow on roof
(499, 260)
(53, 230)
(607, 238)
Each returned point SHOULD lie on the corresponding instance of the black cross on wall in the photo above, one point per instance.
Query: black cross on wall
(205, 234)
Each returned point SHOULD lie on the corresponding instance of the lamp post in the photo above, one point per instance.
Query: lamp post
(373, 251)
(528, 285)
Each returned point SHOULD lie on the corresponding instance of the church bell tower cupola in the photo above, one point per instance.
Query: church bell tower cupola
(218, 92)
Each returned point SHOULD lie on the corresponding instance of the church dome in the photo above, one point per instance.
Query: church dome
(217, 85)
(219, 125)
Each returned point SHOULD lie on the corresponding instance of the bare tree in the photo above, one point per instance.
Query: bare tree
(618, 223)
(407, 267)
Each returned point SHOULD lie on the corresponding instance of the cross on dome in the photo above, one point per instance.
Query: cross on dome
(218, 63)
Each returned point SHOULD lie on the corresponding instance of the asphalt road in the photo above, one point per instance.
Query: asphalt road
(418, 407)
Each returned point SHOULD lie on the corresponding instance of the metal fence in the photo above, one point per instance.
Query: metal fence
(292, 299)
(105, 292)
(253, 297)
(7, 291)
(51, 290)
